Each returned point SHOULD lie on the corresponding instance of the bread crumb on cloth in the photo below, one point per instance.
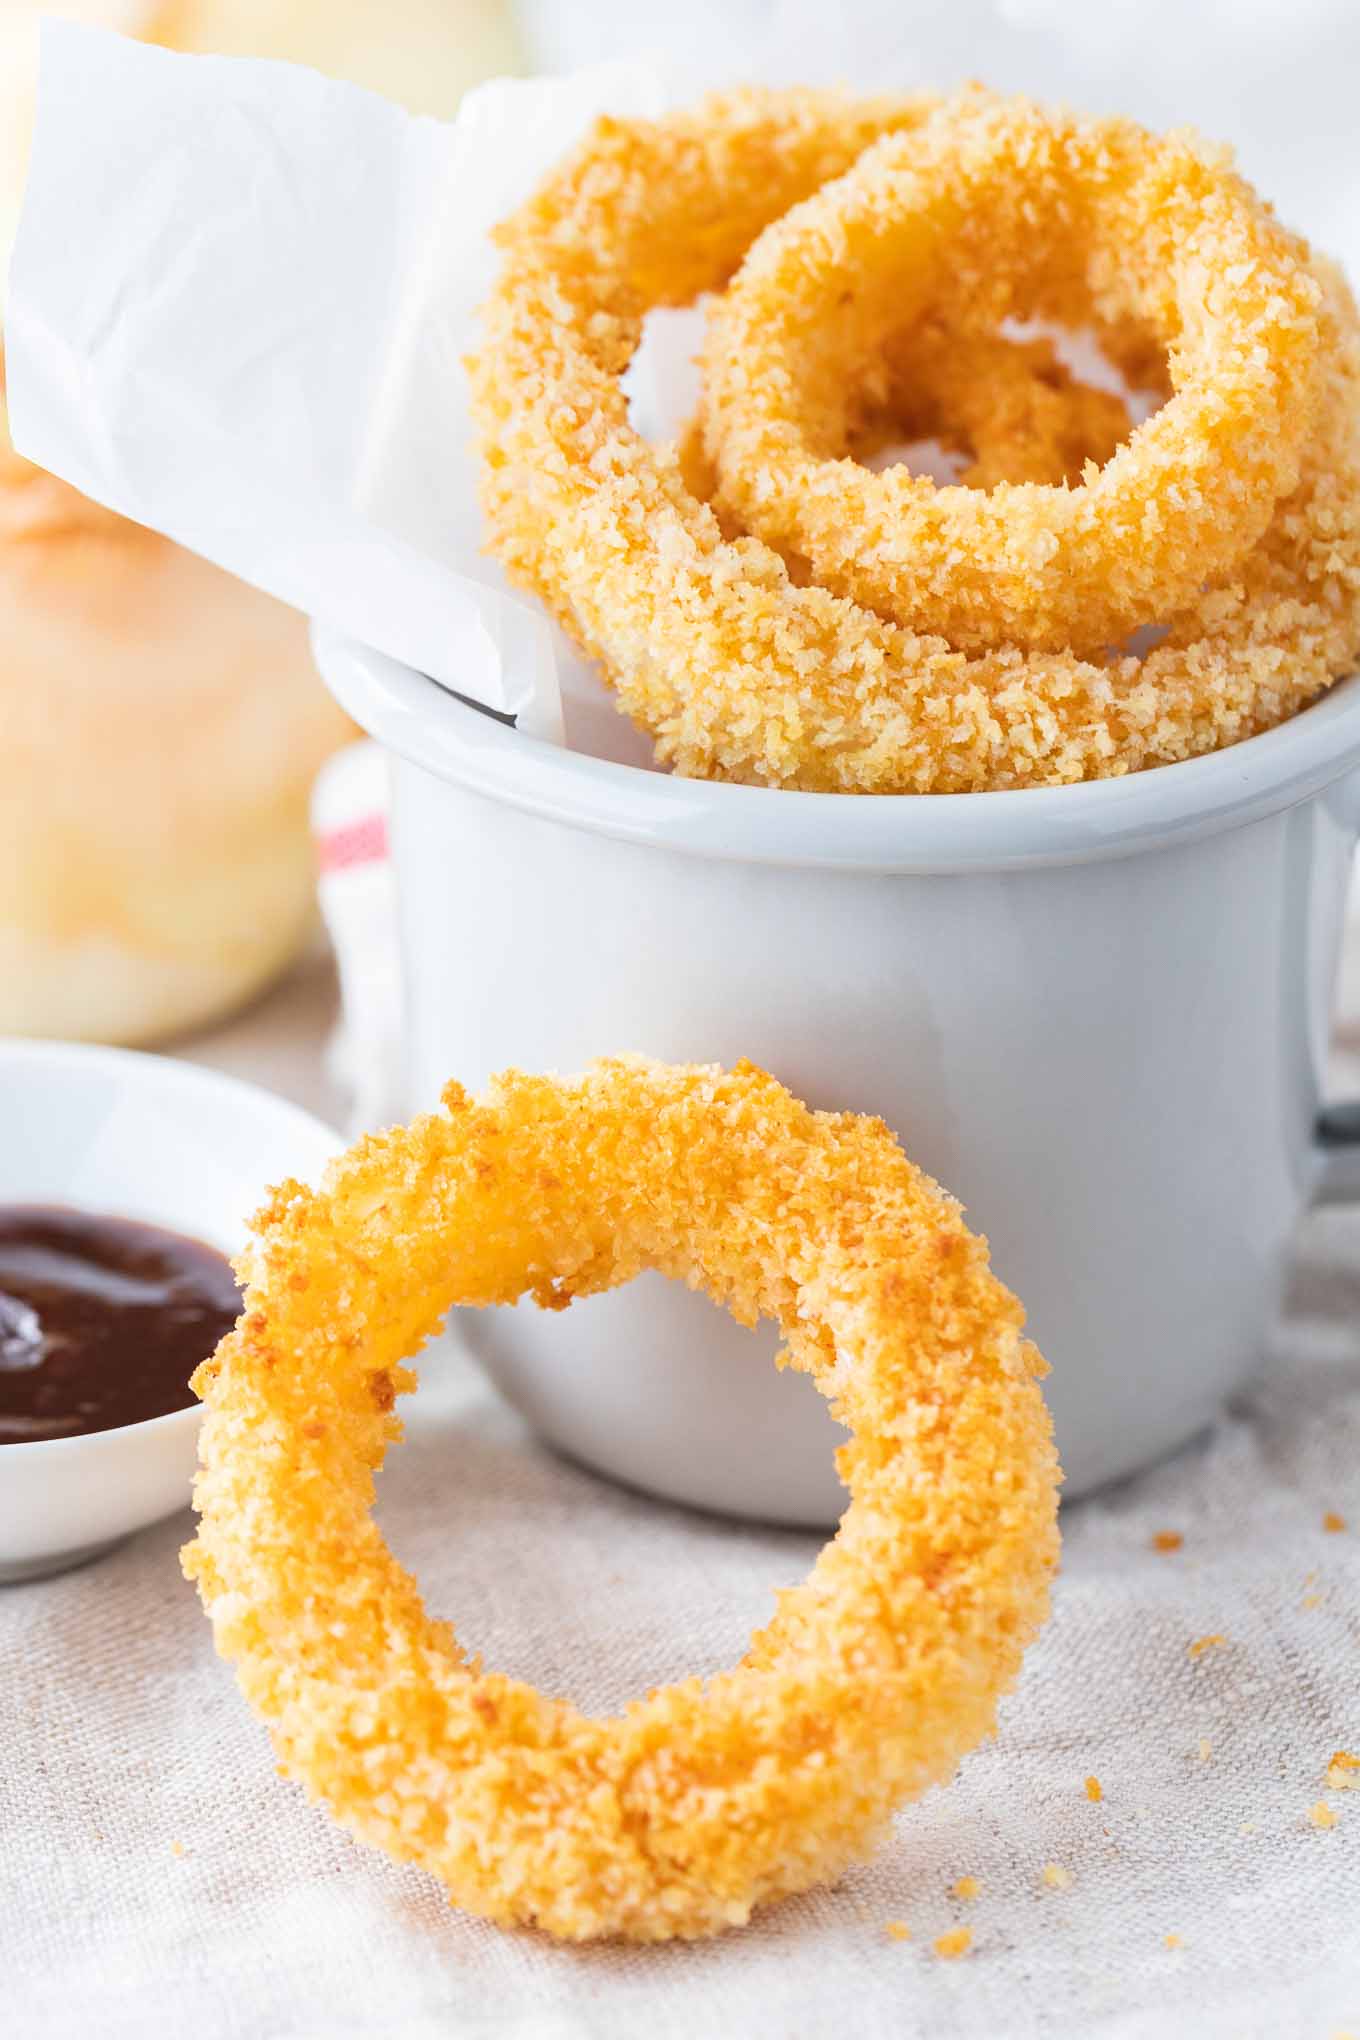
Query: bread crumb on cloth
(1343, 1772)
(953, 1944)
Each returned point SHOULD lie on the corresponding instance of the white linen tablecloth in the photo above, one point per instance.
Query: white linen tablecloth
(158, 1878)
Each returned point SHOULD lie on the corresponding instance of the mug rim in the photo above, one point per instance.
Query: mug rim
(425, 724)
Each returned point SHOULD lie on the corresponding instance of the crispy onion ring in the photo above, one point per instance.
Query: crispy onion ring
(701, 1801)
(998, 208)
(736, 672)
(1008, 407)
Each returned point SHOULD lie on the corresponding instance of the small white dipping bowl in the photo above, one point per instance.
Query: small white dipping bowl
(136, 1136)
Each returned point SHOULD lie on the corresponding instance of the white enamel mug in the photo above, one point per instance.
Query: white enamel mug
(1098, 1014)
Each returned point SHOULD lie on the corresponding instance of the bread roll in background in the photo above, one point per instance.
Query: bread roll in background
(160, 727)
(160, 722)
(423, 53)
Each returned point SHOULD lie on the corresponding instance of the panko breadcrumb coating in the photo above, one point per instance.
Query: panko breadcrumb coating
(1010, 406)
(737, 672)
(704, 1799)
(1002, 209)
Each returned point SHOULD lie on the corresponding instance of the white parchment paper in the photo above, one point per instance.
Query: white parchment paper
(238, 303)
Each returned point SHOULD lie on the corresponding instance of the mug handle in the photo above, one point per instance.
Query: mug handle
(1338, 1140)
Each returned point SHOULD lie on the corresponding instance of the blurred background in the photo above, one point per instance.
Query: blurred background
(161, 724)
(1276, 77)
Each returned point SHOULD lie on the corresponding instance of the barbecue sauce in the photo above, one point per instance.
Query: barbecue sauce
(102, 1320)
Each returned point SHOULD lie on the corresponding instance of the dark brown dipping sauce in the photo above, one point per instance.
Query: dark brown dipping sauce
(102, 1320)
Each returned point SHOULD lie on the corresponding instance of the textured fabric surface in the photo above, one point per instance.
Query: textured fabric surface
(156, 1876)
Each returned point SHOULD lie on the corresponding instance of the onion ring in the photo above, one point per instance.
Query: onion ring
(736, 672)
(1009, 406)
(676, 1817)
(1010, 210)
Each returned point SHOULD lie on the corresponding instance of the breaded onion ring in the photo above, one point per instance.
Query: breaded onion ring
(706, 1798)
(1011, 406)
(736, 672)
(998, 209)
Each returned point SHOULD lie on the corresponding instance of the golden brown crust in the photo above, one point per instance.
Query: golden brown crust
(737, 672)
(1012, 406)
(1009, 406)
(1002, 209)
(704, 1799)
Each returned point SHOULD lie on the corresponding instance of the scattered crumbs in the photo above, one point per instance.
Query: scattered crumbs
(1203, 1643)
(953, 1944)
(898, 1930)
(176, 1848)
(1311, 1601)
(1094, 1789)
(966, 1887)
(1343, 1772)
(1056, 1877)
(1167, 1540)
(1331, 1521)
(1320, 1815)
(1172, 1941)
(1206, 1749)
